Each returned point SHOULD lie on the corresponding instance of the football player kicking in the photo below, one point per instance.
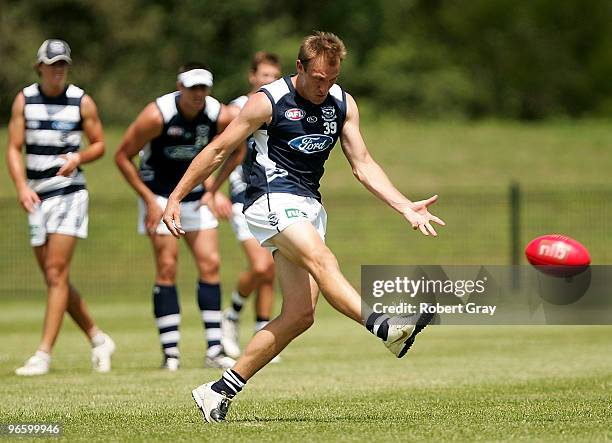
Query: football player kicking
(296, 121)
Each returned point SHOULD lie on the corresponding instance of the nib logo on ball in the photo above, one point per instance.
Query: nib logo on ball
(558, 255)
(554, 249)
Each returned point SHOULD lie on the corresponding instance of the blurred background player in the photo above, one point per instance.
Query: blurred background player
(168, 134)
(296, 122)
(49, 117)
(265, 68)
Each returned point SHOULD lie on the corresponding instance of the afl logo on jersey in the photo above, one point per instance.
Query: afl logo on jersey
(309, 144)
(175, 131)
(294, 114)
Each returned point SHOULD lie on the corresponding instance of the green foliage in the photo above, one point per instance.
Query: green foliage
(525, 60)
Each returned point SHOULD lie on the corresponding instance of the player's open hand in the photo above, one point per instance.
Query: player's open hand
(73, 160)
(417, 213)
(172, 217)
(28, 199)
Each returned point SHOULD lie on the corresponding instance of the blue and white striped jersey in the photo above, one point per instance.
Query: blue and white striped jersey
(53, 126)
(164, 160)
(289, 154)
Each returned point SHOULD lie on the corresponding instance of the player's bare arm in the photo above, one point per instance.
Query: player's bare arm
(16, 139)
(372, 176)
(147, 126)
(92, 128)
(257, 111)
(233, 160)
(218, 203)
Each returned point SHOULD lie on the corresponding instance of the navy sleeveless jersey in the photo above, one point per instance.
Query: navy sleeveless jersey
(165, 159)
(288, 155)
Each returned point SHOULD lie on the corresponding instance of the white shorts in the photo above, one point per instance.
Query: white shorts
(193, 218)
(239, 223)
(62, 214)
(272, 213)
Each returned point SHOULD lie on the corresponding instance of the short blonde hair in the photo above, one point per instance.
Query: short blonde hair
(323, 44)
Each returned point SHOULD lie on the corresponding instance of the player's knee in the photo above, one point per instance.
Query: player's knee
(264, 271)
(166, 269)
(56, 274)
(209, 266)
(306, 321)
(322, 261)
(302, 320)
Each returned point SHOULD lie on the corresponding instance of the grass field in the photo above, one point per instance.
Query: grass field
(337, 382)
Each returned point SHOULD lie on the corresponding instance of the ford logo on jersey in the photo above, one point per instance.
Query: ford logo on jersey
(294, 114)
(309, 144)
(182, 152)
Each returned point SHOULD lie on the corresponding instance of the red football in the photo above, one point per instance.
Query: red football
(558, 255)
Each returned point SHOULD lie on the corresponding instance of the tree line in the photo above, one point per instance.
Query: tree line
(519, 59)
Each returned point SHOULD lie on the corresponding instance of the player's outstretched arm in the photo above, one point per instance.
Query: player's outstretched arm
(234, 159)
(257, 111)
(92, 128)
(372, 176)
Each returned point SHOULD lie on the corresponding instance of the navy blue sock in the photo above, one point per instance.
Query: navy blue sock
(209, 301)
(168, 318)
(378, 324)
(230, 383)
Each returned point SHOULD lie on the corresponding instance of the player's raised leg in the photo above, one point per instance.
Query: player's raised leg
(165, 299)
(300, 294)
(204, 246)
(301, 243)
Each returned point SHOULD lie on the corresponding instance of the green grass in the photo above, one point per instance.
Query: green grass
(337, 382)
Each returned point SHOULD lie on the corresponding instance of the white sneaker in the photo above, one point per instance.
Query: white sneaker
(276, 359)
(229, 335)
(171, 364)
(214, 406)
(403, 331)
(221, 360)
(101, 355)
(38, 364)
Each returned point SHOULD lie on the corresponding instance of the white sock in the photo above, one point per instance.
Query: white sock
(213, 351)
(237, 303)
(43, 356)
(98, 339)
